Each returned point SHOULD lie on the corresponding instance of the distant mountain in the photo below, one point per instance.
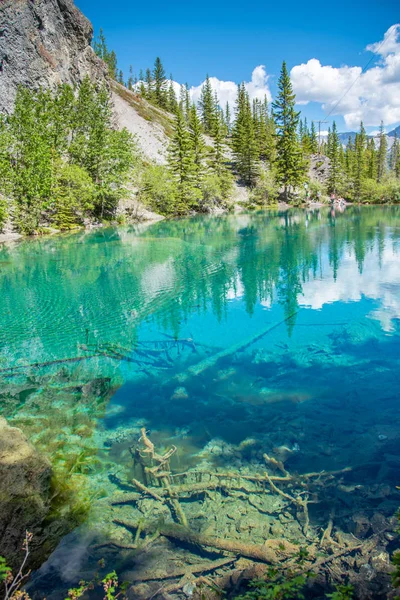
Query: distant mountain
(344, 137)
(394, 132)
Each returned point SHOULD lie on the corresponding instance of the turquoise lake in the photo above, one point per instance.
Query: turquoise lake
(227, 337)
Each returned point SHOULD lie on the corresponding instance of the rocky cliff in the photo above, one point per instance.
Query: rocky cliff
(43, 43)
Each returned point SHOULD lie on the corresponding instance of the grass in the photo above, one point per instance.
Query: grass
(146, 110)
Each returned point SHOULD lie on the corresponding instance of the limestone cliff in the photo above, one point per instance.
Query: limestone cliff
(43, 43)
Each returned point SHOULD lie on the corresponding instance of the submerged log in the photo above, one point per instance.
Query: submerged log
(205, 364)
(266, 553)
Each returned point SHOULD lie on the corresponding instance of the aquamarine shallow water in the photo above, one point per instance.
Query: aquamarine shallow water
(277, 330)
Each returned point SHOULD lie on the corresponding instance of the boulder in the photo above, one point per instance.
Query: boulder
(24, 494)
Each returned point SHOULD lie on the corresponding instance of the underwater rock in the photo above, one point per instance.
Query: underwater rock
(24, 494)
(180, 393)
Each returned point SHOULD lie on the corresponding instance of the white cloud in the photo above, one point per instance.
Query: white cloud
(371, 96)
(227, 90)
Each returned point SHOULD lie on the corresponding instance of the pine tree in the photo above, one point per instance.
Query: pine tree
(130, 82)
(382, 154)
(110, 58)
(121, 77)
(142, 86)
(244, 144)
(370, 159)
(219, 147)
(394, 160)
(290, 167)
(313, 139)
(160, 84)
(172, 101)
(359, 161)
(334, 156)
(228, 119)
(207, 106)
(198, 146)
(182, 166)
(149, 86)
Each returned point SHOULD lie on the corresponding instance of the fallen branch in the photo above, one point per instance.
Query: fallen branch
(260, 553)
(188, 570)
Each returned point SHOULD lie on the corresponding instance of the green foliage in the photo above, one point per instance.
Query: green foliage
(61, 139)
(157, 189)
(335, 172)
(244, 145)
(342, 592)
(215, 191)
(276, 587)
(290, 164)
(387, 192)
(207, 106)
(102, 51)
(160, 84)
(74, 192)
(265, 193)
(4, 569)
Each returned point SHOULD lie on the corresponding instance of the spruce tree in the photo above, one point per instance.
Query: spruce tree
(182, 165)
(228, 118)
(359, 170)
(381, 154)
(160, 84)
(334, 156)
(289, 163)
(313, 139)
(244, 145)
(172, 101)
(219, 148)
(198, 145)
(207, 106)
(149, 86)
(394, 160)
(370, 159)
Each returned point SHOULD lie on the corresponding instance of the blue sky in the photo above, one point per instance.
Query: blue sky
(228, 41)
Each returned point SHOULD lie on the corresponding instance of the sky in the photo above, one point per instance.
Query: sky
(326, 47)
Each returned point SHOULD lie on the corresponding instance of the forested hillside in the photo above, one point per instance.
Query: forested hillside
(69, 152)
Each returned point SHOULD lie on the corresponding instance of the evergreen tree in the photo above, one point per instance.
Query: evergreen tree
(198, 146)
(102, 51)
(334, 156)
(370, 159)
(130, 82)
(207, 106)
(228, 118)
(382, 154)
(172, 101)
(313, 139)
(149, 86)
(182, 165)
(160, 84)
(289, 163)
(394, 160)
(121, 77)
(244, 144)
(219, 148)
(359, 161)
(142, 86)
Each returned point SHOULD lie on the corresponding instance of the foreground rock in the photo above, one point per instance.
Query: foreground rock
(25, 495)
(44, 43)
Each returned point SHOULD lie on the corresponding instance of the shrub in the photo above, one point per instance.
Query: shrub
(215, 191)
(157, 189)
(73, 196)
(265, 193)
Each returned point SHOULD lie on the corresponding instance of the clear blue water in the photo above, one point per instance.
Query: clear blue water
(225, 336)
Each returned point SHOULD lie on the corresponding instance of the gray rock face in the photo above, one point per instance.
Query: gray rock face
(44, 43)
(24, 493)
